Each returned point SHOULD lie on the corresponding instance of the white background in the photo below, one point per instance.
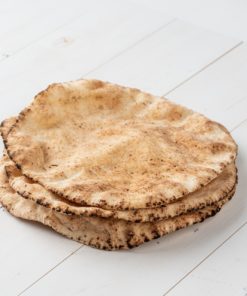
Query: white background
(194, 53)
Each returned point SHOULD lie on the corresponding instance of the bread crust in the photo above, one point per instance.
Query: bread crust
(103, 145)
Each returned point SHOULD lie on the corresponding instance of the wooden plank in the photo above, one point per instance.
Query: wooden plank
(224, 273)
(21, 30)
(27, 251)
(226, 17)
(15, 14)
(154, 268)
(23, 22)
(170, 56)
(220, 91)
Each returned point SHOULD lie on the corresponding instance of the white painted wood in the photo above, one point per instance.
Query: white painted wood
(128, 44)
(224, 273)
(225, 17)
(155, 267)
(22, 22)
(220, 91)
(37, 25)
(49, 16)
(15, 14)
(27, 251)
(168, 57)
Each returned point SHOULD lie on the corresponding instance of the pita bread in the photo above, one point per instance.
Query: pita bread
(99, 144)
(215, 191)
(108, 234)
(206, 196)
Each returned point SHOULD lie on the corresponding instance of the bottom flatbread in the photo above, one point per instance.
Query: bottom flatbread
(107, 234)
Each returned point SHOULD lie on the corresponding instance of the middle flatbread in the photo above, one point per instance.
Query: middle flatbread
(213, 192)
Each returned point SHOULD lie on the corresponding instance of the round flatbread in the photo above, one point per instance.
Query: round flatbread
(108, 234)
(99, 144)
(206, 196)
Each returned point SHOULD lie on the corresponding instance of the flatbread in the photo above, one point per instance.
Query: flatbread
(214, 191)
(99, 144)
(108, 234)
(206, 196)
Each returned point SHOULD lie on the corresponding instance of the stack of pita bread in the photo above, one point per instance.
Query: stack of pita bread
(113, 167)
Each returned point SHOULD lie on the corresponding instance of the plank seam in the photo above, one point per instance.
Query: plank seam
(50, 270)
(204, 68)
(238, 125)
(131, 46)
(7, 55)
(204, 259)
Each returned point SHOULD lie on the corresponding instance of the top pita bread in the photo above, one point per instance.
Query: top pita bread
(99, 144)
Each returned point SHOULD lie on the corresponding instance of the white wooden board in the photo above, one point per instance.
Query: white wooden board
(27, 27)
(225, 17)
(27, 251)
(141, 46)
(48, 17)
(224, 271)
(161, 62)
(220, 91)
